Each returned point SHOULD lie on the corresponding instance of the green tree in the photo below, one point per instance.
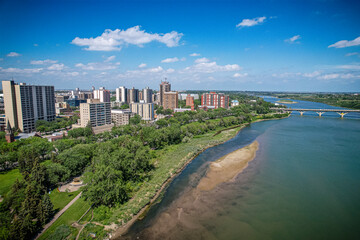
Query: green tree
(135, 120)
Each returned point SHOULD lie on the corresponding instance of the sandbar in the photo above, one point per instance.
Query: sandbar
(228, 167)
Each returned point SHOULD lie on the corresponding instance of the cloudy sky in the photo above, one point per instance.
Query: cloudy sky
(224, 45)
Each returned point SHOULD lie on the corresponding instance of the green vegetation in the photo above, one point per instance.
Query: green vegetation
(61, 199)
(335, 99)
(71, 215)
(7, 179)
(57, 124)
(123, 168)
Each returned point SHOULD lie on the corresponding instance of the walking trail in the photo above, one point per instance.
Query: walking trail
(58, 215)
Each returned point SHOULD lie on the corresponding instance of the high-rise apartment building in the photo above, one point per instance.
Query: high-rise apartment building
(118, 94)
(121, 94)
(217, 100)
(102, 94)
(190, 102)
(25, 104)
(97, 114)
(145, 110)
(133, 95)
(147, 95)
(141, 95)
(170, 100)
(164, 87)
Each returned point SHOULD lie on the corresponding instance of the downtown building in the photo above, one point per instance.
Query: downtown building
(147, 95)
(95, 113)
(145, 110)
(102, 94)
(168, 99)
(121, 94)
(121, 116)
(25, 104)
(215, 100)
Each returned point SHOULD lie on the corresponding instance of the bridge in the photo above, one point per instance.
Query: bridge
(341, 112)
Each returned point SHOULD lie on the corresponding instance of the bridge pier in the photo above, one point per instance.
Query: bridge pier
(301, 113)
(342, 114)
(320, 113)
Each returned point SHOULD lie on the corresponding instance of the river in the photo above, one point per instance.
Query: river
(304, 183)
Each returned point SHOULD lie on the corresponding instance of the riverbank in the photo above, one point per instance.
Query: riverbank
(201, 144)
(228, 167)
(198, 146)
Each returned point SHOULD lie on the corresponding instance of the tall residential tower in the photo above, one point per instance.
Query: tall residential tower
(25, 104)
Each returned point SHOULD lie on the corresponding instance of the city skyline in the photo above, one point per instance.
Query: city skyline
(224, 45)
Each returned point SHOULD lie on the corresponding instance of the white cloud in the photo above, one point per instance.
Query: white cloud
(240, 75)
(142, 65)
(73, 74)
(194, 54)
(174, 59)
(109, 59)
(18, 70)
(293, 39)
(355, 67)
(13, 54)
(346, 43)
(96, 66)
(56, 67)
(202, 60)
(311, 75)
(42, 62)
(286, 74)
(251, 22)
(170, 60)
(338, 76)
(210, 67)
(1, 59)
(351, 54)
(36, 45)
(114, 40)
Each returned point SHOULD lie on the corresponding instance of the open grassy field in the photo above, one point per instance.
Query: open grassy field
(7, 179)
(61, 199)
(71, 215)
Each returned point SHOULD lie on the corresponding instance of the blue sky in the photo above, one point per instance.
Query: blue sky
(224, 45)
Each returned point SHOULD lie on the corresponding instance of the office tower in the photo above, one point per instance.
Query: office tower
(102, 94)
(97, 114)
(121, 116)
(170, 100)
(164, 87)
(133, 95)
(25, 104)
(147, 95)
(145, 110)
(217, 100)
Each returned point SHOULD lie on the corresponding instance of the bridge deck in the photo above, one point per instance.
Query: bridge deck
(316, 110)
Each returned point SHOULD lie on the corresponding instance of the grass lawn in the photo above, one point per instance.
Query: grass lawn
(61, 199)
(71, 215)
(7, 179)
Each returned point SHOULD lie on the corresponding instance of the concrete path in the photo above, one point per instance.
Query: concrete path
(59, 214)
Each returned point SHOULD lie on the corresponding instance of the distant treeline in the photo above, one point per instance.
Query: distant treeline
(340, 100)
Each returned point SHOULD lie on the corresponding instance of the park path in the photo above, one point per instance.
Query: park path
(59, 214)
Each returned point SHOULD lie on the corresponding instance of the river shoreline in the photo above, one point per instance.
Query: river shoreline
(120, 231)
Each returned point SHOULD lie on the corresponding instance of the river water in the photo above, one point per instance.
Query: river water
(304, 183)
